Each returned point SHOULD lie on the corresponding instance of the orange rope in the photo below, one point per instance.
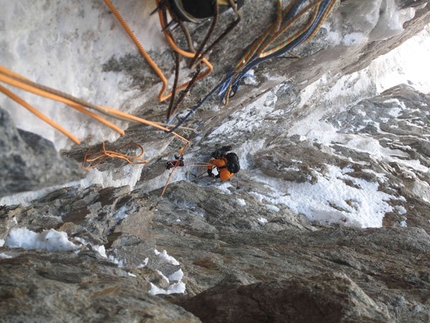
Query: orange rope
(96, 158)
(58, 98)
(161, 95)
(13, 79)
(182, 151)
(177, 49)
(38, 114)
(141, 49)
(18, 81)
(130, 117)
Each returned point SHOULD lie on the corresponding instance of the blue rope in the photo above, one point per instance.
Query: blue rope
(195, 107)
(224, 84)
(321, 10)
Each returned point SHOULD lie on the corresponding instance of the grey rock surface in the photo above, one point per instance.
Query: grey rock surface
(241, 254)
(330, 297)
(228, 256)
(65, 287)
(29, 162)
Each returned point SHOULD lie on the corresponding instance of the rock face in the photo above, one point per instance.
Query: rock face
(235, 267)
(329, 297)
(327, 221)
(315, 277)
(30, 162)
(61, 287)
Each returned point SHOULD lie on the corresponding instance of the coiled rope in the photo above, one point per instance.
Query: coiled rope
(94, 159)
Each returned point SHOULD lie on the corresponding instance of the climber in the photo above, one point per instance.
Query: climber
(226, 163)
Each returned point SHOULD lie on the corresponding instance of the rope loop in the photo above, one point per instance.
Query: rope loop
(94, 159)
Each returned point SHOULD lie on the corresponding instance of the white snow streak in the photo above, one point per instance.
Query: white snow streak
(175, 279)
(49, 240)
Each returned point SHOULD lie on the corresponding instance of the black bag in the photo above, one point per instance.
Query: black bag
(221, 152)
(233, 165)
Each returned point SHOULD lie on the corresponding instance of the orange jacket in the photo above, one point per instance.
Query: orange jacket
(220, 164)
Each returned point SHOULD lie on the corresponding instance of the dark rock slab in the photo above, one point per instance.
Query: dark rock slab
(65, 287)
(330, 297)
(29, 162)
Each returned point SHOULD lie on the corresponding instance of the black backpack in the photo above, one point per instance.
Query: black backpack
(233, 165)
(221, 152)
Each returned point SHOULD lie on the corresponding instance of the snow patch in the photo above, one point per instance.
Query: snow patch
(272, 208)
(177, 276)
(353, 39)
(166, 258)
(248, 118)
(400, 209)
(241, 202)
(99, 248)
(4, 256)
(144, 264)
(177, 287)
(400, 65)
(50, 240)
(262, 220)
(336, 197)
(120, 263)
(128, 175)
(391, 20)
(162, 276)
(223, 187)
